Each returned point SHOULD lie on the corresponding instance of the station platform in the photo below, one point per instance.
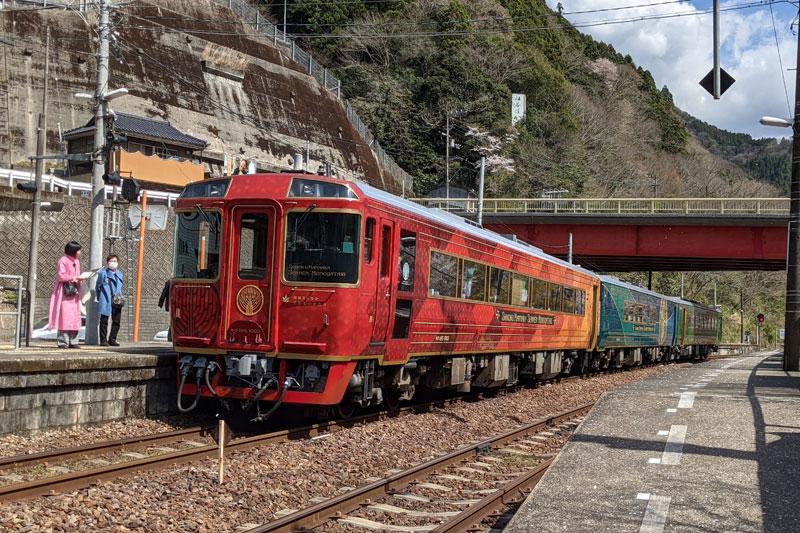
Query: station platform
(44, 387)
(710, 447)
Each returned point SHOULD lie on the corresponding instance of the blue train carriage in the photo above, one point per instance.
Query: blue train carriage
(636, 325)
(699, 329)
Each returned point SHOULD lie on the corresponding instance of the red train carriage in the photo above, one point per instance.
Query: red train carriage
(313, 290)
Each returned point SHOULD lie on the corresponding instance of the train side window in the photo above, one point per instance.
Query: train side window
(402, 319)
(386, 246)
(443, 276)
(253, 246)
(568, 305)
(539, 294)
(580, 302)
(408, 257)
(368, 240)
(554, 302)
(499, 286)
(520, 286)
(473, 281)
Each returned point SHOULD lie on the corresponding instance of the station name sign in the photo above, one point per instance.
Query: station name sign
(516, 317)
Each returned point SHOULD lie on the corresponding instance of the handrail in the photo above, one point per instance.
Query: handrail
(71, 187)
(614, 206)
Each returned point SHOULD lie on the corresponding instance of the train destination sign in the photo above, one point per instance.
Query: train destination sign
(517, 317)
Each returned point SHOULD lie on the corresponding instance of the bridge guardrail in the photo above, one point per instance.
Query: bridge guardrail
(615, 206)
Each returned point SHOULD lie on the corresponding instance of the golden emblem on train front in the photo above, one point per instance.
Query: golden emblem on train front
(250, 300)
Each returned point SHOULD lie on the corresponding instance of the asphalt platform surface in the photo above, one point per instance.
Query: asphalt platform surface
(710, 447)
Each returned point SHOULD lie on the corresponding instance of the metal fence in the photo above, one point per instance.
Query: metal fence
(81, 5)
(287, 42)
(615, 206)
(74, 188)
(18, 312)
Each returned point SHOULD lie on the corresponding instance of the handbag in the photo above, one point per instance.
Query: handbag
(70, 288)
(117, 298)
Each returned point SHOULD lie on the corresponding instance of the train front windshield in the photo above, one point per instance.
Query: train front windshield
(197, 244)
(322, 247)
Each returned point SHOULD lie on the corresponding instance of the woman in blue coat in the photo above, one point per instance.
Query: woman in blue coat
(109, 282)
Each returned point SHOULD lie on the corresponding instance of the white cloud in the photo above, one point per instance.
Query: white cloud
(678, 52)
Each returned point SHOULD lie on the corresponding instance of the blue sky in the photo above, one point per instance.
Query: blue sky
(678, 52)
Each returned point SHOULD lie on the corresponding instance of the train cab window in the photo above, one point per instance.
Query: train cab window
(443, 276)
(253, 246)
(369, 235)
(520, 286)
(499, 286)
(473, 281)
(322, 247)
(539, 294)
(197, 244)
(554, 301)
(306, 188)
(580, 302)
(386, 247)
(568, 300)
(408, 256)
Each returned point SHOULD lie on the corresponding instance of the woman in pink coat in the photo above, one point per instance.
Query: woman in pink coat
(65, 309)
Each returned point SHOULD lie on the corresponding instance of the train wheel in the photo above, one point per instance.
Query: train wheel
(346, 409)
(392, 399)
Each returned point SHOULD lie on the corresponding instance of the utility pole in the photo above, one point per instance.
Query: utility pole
(791, 347)
(480, 191)
(284, 22)
(447, 162)
(741, 315)
(717, 85)
(569, 249)
(41, 143)
(8, 100)
(99, 167)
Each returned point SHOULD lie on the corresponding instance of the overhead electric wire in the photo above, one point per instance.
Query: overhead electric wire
(418, 23)
(780, 61)
(587, 24)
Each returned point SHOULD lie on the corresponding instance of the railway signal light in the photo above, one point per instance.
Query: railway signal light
(760, 318)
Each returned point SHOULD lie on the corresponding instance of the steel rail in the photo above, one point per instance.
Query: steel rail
(510, 494)
(317, 514)
(80, 479)
(99, 448)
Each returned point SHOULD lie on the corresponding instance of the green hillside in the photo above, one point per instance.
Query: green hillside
(767, 160)
(596, 124)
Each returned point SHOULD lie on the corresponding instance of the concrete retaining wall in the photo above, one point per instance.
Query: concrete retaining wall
(46, 392)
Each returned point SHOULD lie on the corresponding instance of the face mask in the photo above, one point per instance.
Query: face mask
(112, 265)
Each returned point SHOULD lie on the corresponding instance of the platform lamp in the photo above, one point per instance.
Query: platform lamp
(791, 347)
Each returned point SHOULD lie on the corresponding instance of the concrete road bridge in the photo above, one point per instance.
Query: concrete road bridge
(641, 234)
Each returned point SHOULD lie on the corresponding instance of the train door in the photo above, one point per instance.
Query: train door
(401, 315)
(249, 316)
(383, 291)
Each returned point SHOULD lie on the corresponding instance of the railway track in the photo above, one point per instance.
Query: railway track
(119, 457)
(37, 474)
(422, 489)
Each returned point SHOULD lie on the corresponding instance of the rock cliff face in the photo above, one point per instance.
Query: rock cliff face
(232, 88)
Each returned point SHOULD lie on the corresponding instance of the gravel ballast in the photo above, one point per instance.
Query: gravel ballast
(265, 480)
